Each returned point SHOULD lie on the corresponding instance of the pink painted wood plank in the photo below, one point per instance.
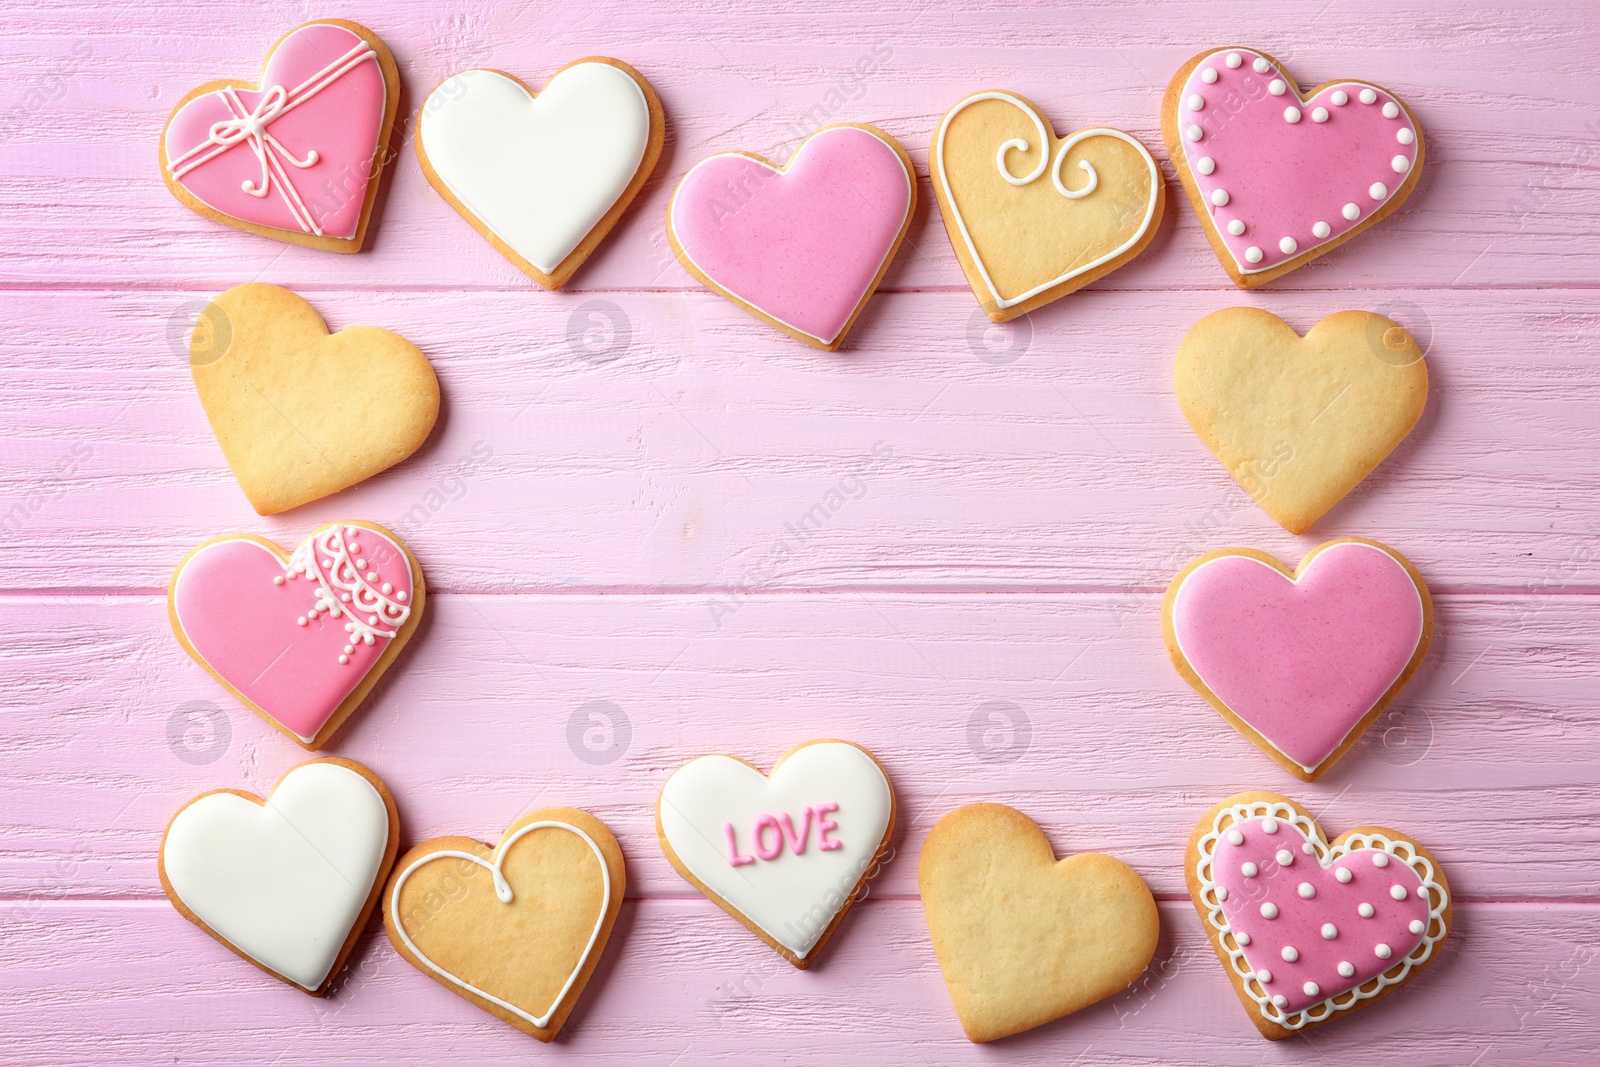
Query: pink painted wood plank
(1510, 187)
(1064, 706)
(682, 984)
(692, 458)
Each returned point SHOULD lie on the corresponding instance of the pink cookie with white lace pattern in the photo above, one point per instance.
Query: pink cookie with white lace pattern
(1308, 929)
(299, 156)
(300, 639)
(1279, 177)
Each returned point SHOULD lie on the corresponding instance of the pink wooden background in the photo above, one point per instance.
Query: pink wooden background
(604, 518)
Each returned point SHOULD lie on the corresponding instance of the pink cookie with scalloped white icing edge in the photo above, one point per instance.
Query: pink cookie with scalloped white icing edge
(1299, 662)
(1279, 177)
(298, 156)
(300, 639)
(802, 246)
(1308, 929)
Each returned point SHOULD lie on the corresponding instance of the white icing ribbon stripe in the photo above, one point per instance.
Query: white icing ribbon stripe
(251, 128)
(502, 891)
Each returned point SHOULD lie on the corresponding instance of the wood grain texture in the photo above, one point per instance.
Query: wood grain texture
(619, 511)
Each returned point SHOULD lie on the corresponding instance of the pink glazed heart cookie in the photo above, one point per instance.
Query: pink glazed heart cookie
(299, 639)
(298, 156)
(1309, 929)
(1279, 177)
(1300, 663)
(801, 246)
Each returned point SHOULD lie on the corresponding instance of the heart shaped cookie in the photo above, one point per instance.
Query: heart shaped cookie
(516, 929)
(300, 639)
(301, 413)
(1306, 929)
(802, 246)
(287, 883)
(299, 156)
(1033, 216)
(544, 177)
(1300, 663)
(1022, 938)
(1300, 421)
(1280, 177)
(785, 854)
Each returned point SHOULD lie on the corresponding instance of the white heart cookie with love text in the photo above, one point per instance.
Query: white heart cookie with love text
(287, 883)
(544, 176)
(787, 854)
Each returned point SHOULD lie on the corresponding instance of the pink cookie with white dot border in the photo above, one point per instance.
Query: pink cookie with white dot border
(300, 639)
(1308, 929)
(1279, 176)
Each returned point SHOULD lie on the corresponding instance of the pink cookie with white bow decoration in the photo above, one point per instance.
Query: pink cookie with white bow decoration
(1279, 176)
(1300, 662)
(300, 639)
(1309, 929)
(297, 157)
(802, 246)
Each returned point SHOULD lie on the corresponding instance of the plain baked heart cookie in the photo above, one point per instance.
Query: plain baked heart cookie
(287, 883)
(788, 853)
(802, 246)
(543, 176)
(516, 929)
(1280, 177)
(1309, 930)
(1032, 216)
(300, 639)
(1300, 663)
(301, 413)
(297, 157)
(1021, 937)
(1300, 421)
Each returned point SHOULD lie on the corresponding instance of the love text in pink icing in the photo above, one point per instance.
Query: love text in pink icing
(771, 834)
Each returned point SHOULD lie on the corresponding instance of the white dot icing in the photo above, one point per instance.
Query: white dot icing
(1196, 102)
(1291, 114)
(1368, 96)
(1233, 60)
(1344, 875)
(1236, 227)
(1263, 976)
(1398, 892)
(1285, 857)
(1242, 937)
(1405, 136)
(1391, 110)
(1329, 931)
(1319, 115)
(1306, 890)
(1249, 870)
(1280, 1001)
(1378, 191)
(1347, 969)
(1219, 197)
(1364, 910)
(1222, 892)
(1383, 951)
(1290, 953)
(1417, 926)
(1311, 989)
(1252, 254)
(1276, 87)
(1205, 164)
(1400, 164)
(1352, 212)
(1194, 133)
(1340, 98)
(1269, 910)
(1269, 826)
(1261, 65)
(1380, 859)
(1288, 246)
(1235, 837)
(1209, 76)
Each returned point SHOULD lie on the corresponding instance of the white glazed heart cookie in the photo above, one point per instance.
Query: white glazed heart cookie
(287, 883)
(1309, 929)
(785, 854)
(544, 177)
